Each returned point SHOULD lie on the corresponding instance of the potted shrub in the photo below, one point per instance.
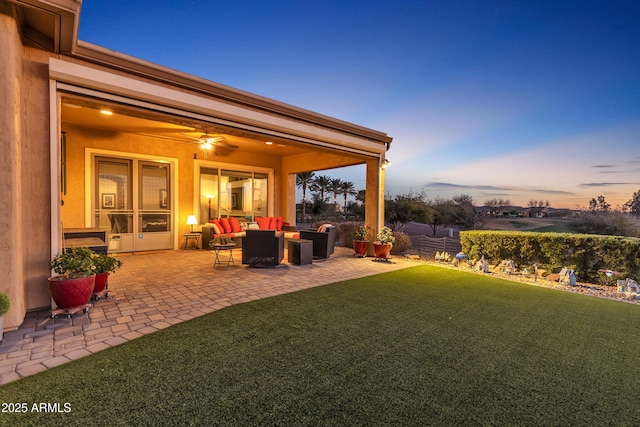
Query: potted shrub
(104, 264)
(4, 308)
(382, 245)
(75, 279)
(222, 241)
(360, 242)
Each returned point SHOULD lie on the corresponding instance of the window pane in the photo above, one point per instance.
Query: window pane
(236, 197)
(208, 195)
(260, 194)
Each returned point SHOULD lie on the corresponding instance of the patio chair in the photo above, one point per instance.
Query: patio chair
(263, 248)
(323, 241)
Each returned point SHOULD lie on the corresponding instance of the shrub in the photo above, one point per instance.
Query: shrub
(402, 243)
(345, 234)
(585, 253)
(4, 304)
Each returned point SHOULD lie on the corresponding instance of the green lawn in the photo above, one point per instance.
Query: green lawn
(421, 346)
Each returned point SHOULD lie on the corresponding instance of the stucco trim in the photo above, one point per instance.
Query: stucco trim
(88, 77)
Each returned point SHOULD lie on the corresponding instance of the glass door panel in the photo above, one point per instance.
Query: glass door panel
(113, 202)
(154, 206)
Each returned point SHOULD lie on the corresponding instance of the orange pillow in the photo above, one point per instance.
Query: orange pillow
(263, 222)
(279, 223)
(224, 222)
(235, 225)
(272, 223)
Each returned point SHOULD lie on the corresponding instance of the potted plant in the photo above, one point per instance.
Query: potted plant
(222, 241)
(383, 243)
(360, 242)
(4, 308)
(75, 279)
(104, 264)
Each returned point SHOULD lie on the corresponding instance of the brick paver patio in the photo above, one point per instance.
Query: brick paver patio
(154, 291)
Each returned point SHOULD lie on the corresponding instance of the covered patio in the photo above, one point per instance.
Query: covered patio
(153, 291)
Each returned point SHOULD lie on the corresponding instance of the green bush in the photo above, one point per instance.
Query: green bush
(4, 304)
(402, 243)
(345, 233)
(585, 253)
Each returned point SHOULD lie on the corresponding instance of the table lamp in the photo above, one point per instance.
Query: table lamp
(191, 220)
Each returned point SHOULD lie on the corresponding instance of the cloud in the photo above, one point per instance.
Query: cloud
(604, 184)
(510, 189)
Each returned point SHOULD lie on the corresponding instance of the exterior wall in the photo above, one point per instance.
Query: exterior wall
(80, 138)
(24, 173)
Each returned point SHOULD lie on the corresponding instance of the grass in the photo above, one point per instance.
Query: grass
(421, 346)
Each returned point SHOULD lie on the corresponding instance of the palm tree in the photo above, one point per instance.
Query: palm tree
(304, 180)
(321, 183)
(334, 187)
(347, 189)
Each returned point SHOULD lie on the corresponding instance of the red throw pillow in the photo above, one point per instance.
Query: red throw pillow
(279, 223)
(263, 222)
(272, 223)
(235, 225)
(225, 224)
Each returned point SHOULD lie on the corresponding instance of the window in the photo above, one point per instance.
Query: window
(243, 194)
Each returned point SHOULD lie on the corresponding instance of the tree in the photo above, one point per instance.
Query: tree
(442, 213)
(334, 187)
(304, 180)
(347, 189)
(402, 209)
(600, 205)
(321, 184)
(464, 211)
(633, 205)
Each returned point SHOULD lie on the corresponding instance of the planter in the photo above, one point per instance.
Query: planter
(101, 282)
(381, 250)
(69, 293)
(360, 247)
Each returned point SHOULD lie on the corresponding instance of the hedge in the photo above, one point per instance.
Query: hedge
(585, 253)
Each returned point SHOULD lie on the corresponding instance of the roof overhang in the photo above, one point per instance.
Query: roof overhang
(53, 25)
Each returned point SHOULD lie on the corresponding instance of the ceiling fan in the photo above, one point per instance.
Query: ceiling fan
(218, 143)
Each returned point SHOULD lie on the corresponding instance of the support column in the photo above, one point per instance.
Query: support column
(11, 232)
(374, 201)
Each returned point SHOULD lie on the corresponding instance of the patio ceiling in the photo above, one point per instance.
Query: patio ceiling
(179, 130)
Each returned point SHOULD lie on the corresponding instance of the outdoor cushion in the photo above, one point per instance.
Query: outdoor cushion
(263, 222)
(225, 225)
(235, 225)
(216, 229)
(273, 223)
(323, 228)
(279, 223)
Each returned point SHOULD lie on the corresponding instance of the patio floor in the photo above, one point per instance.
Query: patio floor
(156, 290)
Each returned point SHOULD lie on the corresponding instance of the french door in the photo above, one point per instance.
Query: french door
(133, 203)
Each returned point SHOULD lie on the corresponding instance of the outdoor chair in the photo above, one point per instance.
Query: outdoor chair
(263, 248)
(323, 241)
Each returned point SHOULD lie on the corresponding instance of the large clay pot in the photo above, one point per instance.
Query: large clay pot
(381, 250)
(360, 247)
(101, 282)
(68, 293)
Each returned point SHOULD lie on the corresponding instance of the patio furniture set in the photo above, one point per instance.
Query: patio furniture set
(265, 247)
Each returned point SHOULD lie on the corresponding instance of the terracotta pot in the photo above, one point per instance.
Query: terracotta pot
(381, 250)
(360, 247)
(68, 293)
(101, 282)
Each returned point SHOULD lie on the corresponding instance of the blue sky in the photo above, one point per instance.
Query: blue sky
(521, 100)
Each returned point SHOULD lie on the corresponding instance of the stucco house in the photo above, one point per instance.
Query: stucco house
(94, 138)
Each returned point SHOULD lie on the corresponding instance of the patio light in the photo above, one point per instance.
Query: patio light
(385, 163)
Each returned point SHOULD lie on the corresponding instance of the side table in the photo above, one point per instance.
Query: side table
(217, 249)
(192, 236)
(300, 251)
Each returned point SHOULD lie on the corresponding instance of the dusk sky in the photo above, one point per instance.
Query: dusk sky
(516, 99)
